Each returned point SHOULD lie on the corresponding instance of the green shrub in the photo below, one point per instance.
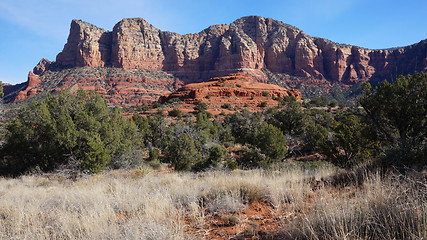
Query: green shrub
(289, 98)
(333, 103)
(319, 101)
(291, 120)
(201, 106)
(153, 154)
(216, 154)
(398, 113)
(156, 105)
(271, 141)
(72, 127)
(353, 141)
(251, 157)
(183, 153)
(263, 104)
(226, 106)
(175, 113)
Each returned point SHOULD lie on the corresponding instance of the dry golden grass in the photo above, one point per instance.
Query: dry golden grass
(140, 205)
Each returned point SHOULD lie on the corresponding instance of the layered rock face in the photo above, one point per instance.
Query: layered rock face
(87, 45)
(249, 44)
(264, 49)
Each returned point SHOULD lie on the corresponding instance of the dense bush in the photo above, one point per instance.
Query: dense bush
(398, 111)
(175, 113)
(183, 152)
(321, 101)
(352, 142)
(291, 120)
(271, 141)
(70, 128)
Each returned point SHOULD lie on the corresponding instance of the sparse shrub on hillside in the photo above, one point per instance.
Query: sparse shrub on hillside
(265, 93)
(175, 113)
(174, 100)
(201, 106)
(156, 105)
(333, 103)
(262, 105)
(289, 99)
(226, 106)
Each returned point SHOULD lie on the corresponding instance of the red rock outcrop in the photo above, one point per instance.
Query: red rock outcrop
(249, 44)
(31, 89)
(236, 90)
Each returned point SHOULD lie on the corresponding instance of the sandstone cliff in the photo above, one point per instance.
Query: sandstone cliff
(249, 44)
(137, 62)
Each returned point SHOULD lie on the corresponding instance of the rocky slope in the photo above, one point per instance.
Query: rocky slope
(117, 85)
(263, 48)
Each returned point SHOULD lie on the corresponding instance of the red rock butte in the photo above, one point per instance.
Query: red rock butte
(263, 48)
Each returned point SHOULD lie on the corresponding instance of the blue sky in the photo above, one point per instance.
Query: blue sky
(31, 30)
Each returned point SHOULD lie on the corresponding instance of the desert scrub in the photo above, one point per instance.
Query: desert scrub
(392, 207)
(181, 205)
(121, 204)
